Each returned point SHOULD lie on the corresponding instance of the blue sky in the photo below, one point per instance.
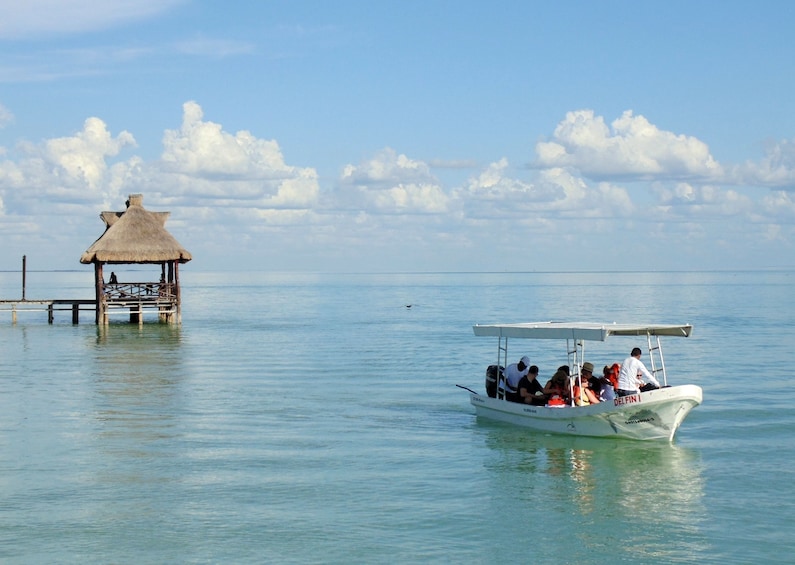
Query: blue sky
(404, 136)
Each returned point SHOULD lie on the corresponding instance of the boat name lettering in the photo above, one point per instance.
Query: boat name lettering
(631, 399)
(639, 421)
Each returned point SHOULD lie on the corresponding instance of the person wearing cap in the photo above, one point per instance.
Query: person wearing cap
(513, 374)
(583, 395)
(530, 390)
(631, 369)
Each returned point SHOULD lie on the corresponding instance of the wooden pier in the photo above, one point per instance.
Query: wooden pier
(49, 306)
(133, 298)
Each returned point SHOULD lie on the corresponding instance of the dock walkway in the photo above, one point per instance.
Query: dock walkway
(50, 306)
(123, 298)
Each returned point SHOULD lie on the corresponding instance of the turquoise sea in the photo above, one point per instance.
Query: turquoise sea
(314, 418)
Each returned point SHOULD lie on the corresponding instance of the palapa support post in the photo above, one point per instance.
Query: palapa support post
(99, 283)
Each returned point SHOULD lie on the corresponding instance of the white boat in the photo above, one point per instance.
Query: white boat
(651, 415)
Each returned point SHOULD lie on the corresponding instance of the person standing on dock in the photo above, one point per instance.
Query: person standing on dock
(113, 279)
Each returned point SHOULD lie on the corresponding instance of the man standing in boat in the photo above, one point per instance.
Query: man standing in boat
(513, 374)
(628, 382)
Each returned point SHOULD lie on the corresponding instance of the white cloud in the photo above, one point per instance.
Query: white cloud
(492, 183)
(779, 205)
(708, 201)
(65, 170)
(238, 191)
(554, 192)
(631, 148)
(203, 167)
(202, 160)
(82, 157)
(775, 169)
(6, 117)
(216, 48)
(493, 194)
(46, 17)
(390, 183)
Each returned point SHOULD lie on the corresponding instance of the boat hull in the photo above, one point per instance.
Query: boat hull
(652, 415)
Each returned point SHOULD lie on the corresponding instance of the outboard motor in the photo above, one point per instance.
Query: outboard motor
(493, 375)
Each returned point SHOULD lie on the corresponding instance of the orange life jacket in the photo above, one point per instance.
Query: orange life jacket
(613, 375)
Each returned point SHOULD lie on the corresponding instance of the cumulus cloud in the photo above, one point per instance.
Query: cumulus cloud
(242, 187)
(202, 166)
(775, 169)
(494, 193)
(6, 117)
(66, 169)
(391, 183)
(630, 148)
(46, 17)
(201, 159)
(686, 199)
(82, 157)
(779, 205)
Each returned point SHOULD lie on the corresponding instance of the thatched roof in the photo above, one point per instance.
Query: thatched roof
(135, 236)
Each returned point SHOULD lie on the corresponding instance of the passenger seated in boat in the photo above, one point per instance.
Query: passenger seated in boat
(607, 389)
(530, 390)
(513, 374)
(583, 395)
(557, 389)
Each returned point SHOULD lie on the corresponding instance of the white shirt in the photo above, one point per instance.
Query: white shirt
(513, 375)
(628, 376)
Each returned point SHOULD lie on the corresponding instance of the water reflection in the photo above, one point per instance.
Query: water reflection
(642, 499)
(137, 375)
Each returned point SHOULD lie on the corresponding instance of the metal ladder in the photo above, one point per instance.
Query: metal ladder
(656, 361)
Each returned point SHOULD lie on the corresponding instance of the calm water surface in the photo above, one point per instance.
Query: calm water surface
(299, 418)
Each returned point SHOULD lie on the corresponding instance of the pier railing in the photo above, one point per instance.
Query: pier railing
(124, 293)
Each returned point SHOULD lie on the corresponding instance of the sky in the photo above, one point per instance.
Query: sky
(404, 136)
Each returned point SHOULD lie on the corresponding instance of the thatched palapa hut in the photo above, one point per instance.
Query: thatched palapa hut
(137, 236)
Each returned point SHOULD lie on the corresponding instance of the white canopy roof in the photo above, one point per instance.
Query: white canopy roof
(578, 330)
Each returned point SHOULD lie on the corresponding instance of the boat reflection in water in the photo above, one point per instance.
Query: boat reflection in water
(634, 501)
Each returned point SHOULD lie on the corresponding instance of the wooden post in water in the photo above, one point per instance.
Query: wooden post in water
(24, 269)
(178, 316)
(100, 316)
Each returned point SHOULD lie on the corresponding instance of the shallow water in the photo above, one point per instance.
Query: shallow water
(314, 418)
